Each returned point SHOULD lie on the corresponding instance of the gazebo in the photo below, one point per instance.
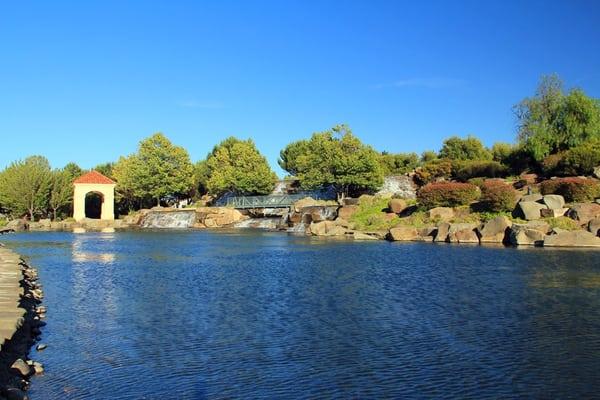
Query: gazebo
(94, 182)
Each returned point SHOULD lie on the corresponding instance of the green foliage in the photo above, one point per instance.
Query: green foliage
(469, 148)
(552, 121)
(501, 152)
(25, 186)
(447, 194)
(498, 196)
(399, 163)
(237, 166)
(338, 158)
(201, 176)
(288, 157)
(572, 189)
(434, 170)
(158, 169)
(465, 170)
(372, 215)
(581, 160)
(61, 191)
(105, 169)
(565, 223)
(428, 155)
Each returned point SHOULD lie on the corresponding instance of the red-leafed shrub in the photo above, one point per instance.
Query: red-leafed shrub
(497, 196)
(447, 194)
(572, 189)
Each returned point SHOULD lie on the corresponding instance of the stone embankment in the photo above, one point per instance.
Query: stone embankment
(20, 322)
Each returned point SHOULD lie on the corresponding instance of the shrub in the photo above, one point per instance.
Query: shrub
(498, 196)
(447, 194)
(565, 223)
(572, 189)
(371, 214)
(581, 160)
(435, 169)
(465, 170)
(551, 164)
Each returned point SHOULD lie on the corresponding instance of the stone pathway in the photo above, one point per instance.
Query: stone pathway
(11, 315)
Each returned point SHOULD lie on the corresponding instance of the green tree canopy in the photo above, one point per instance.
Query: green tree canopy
(158, 169)
(398, 163)
(338, 158)
(237, 166)
(25, 186)
(469, 148)
(552, 121)
(61, 190)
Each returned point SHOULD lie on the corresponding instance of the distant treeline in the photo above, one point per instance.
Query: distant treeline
(558, 134)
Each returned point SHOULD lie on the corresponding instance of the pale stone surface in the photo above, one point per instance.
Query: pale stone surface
(441, 213)
(531, 197)
(584, 212)
(572, 239)
(531, 209)
(346, 212)
(442, 232)
(326, 228)
(404, 233)
(495, 230)
(22, 367)
(463, 233)
(18, 225)
(216, 217)
(554, 201)
(397, 205)
(532, 233)
(594, 226)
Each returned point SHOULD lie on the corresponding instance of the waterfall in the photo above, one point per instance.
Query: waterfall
(169, 219)
(258, 223)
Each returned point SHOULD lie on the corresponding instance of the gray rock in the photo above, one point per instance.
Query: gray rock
(463, 233)
(530, 210)
(442, 232)
(554, 201)
(441, 213)
(41, 347)
(594, 226)
(597, 172)
(16, 394)
(21, 367)
(531, 234)
(531, 197)
(572, 239)
(584, 212)
(397, 205)
(495, 230)
(18, 225)
(403, 233)
(548, 213)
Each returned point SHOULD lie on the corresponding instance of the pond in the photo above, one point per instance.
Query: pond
(252, 314)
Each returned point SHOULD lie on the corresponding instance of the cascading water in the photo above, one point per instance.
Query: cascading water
(169, 219)
(258, 223)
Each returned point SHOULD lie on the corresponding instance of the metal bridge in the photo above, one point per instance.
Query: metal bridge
(270, 201)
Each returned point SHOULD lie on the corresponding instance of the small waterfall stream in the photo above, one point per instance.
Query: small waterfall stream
(169, 219)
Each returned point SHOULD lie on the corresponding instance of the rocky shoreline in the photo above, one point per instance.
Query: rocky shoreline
(21, 318)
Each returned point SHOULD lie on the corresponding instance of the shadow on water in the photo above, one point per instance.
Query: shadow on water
(251, 314)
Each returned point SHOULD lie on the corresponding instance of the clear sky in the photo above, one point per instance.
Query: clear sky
(85, 81)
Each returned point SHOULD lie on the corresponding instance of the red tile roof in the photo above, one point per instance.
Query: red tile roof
(94, 177)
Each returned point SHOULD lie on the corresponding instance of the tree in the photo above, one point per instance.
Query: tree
(338, 158)
(289, 155)
(105, 169)
(427, 156)
(399, 163)
(129, 193)
(25, 186)
(236, 166)
(469, 148)
(501, 152)
(551, 122)
(157, 170)
(61, 191)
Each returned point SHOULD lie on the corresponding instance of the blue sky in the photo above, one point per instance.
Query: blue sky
(404, 75)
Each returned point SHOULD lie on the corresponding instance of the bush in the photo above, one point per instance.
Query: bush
(565, 223)
(572, 189)
(447, 194)
(551, 164)
(465, 170)
(498, 196)
(581, 160)
(435, 169)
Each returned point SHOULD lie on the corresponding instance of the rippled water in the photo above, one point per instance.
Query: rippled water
(193, 315)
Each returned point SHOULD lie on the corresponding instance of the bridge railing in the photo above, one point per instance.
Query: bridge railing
(269, 201)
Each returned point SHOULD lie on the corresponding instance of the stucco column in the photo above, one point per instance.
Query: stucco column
(108, 204)
(79, 203)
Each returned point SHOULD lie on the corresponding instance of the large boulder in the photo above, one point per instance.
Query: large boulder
(326, 228)
(426, 234)
(346, 212)
(532, 197)
(216, 217)
(584, 212)
(597, 172)
(495, 230)
(403, 233)
(463, 233)
(18, 225)
(594, 226)
(441, 213)
(572, 239)
(530, 210)
(554, 201)
(397, 205)
(442, 232)
(305, 202)
(553, 213)
(321, 213)
(532, 233)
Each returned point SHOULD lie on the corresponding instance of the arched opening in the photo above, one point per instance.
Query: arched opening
(93, 205)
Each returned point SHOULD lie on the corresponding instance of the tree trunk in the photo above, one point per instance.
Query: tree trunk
(31, 214)
(54, 214)
(158, 201)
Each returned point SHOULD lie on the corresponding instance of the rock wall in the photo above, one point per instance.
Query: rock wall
(399, 186)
